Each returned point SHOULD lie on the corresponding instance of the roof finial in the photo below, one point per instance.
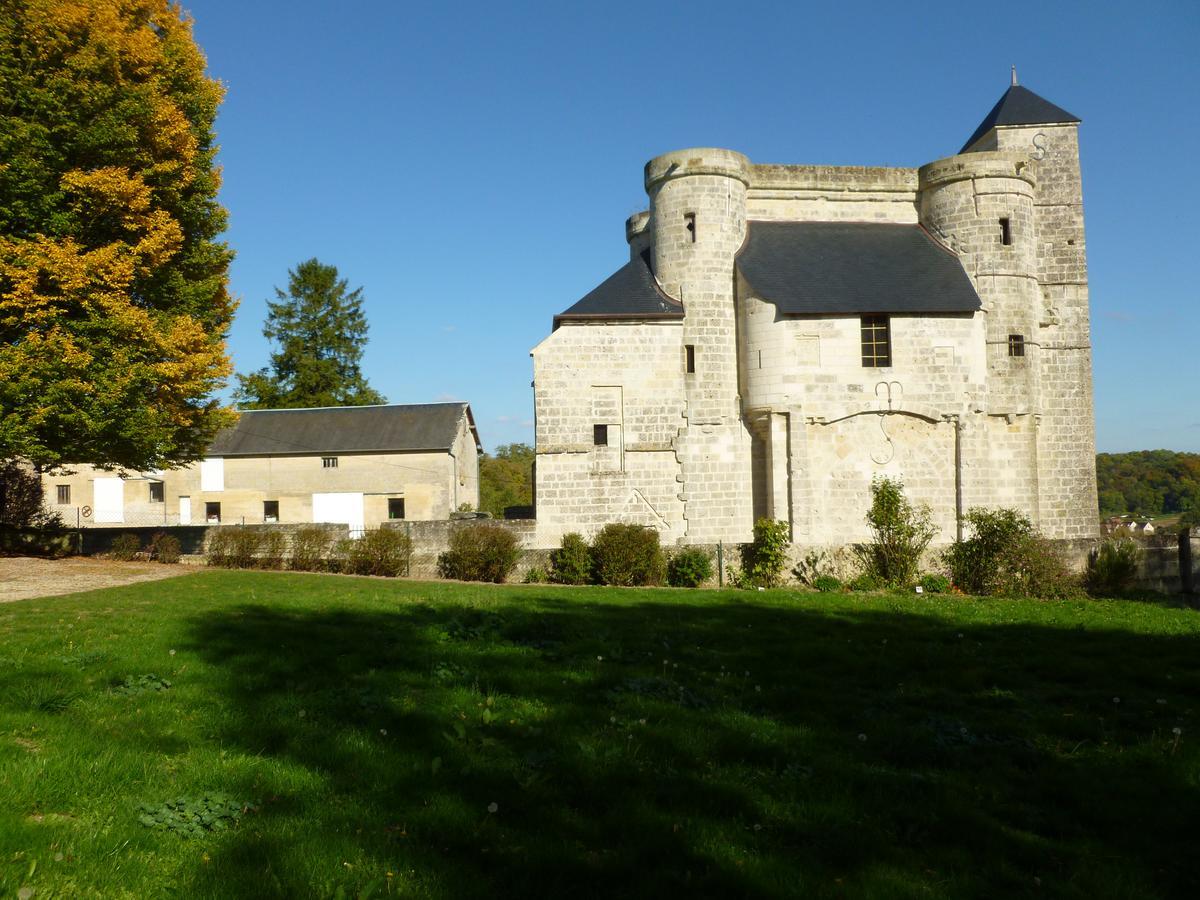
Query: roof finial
(1014, 76)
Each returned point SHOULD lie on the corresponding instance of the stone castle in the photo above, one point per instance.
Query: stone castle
(782, 334)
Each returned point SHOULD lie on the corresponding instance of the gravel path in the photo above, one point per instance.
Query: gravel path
(22, 577)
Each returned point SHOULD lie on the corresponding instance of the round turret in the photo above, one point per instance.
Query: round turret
(638, 233)
(981, 205)
(698, 215)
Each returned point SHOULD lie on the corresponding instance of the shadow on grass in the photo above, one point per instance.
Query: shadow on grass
(662, 749)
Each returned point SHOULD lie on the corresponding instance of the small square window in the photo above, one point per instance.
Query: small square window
(329, 462)
(212, 513)
(395, 507)
(876, 341)
(270, 510)
(600, 435)
(64, 494)
(156, 492)
(1016, 345)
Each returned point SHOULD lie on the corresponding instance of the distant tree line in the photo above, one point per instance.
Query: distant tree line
(506, 478)
(1148, 483)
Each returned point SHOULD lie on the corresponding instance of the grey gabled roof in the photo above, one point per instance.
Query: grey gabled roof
(630, 292)
(344, 429)
(811, 268)
(1019, 106)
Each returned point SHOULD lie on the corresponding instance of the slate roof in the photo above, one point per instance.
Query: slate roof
(630, 292)
(814, 268)
(1019, 106)
(344, 429)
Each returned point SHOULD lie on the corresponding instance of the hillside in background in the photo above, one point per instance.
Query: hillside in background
(1148, 482)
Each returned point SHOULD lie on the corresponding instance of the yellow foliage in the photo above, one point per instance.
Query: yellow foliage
(85, 330)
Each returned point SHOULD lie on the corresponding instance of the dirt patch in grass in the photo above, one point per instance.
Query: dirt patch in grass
(23, 577)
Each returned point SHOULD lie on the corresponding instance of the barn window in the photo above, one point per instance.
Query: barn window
(1016, 345)
(876, 341)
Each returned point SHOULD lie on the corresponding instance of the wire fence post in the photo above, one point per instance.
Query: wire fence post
(720, 564)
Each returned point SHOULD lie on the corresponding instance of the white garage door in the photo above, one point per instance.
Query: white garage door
(108, 500)
(342, 509)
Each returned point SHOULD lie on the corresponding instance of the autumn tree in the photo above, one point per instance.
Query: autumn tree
(321, 331)
(113, 300)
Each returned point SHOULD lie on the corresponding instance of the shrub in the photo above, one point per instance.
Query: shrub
(125, 547)
(689, 568)
(480, 553)
(384, 551)
(310, 549)
(165, 548)
(764, 558)
(244, 547)
(975, 563)
(1112, 566)
(901, 533)
(216, 547)
(867, 581)
(827, 584)
(934, 584)
(627, 555)
(1006, 556)
(272, 549)
(571, 563)
(536, 575)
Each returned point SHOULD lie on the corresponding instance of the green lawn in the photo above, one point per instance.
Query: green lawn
(387, 738)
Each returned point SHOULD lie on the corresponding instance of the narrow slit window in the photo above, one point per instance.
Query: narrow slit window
(1016, 345)
(689, 222)
(64, 494)
(156, 492)
(876, 341)
(270, 510)
(395, 507)
(689, 358)
(1005, 232)
(329, 462)
(600, 435)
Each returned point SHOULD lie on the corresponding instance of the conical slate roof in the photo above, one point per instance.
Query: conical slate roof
(1019, 106)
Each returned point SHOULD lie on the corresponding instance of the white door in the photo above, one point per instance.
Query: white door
(340, 509)
(185, 510)
(108, 500)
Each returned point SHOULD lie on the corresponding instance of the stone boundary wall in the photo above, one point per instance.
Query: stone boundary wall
(1161, 568)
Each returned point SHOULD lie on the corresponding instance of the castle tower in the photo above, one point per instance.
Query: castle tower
(1011, 205)
(698, 221)
(981, 205)
(1022, 122)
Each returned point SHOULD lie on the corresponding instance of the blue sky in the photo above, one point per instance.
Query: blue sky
(471, 166)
